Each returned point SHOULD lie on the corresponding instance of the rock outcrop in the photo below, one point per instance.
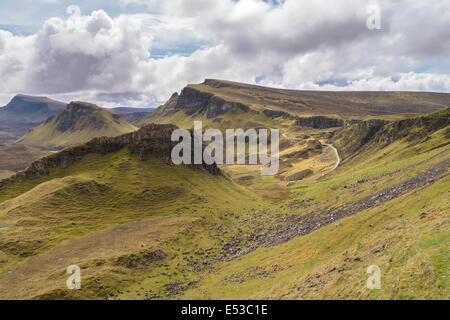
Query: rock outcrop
(380, 133)
(319, 122)
(151, 141)
(277, 114)
(193, 101)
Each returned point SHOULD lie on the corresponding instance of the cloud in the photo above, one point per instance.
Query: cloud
(140, 59)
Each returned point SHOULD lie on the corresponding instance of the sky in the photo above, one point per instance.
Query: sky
(136, 53)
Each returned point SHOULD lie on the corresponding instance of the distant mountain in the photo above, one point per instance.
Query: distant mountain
(79, 123)
(31, 109)
(132, 114)
(244, 105)
(25, 112)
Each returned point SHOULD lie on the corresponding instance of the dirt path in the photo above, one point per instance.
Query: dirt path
(338, 161)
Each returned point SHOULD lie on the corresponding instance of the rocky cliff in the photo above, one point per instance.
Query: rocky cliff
(151, 141)
(319, 122)
(193, 101)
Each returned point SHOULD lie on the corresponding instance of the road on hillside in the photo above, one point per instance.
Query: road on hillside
(338, 161)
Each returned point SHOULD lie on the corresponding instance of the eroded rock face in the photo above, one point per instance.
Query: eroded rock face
(277, 114)
(358, 134)
(193, 101)
(151, 141)
(319, 122)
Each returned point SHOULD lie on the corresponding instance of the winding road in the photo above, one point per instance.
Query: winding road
(338, 161)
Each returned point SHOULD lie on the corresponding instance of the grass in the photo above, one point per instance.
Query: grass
(111, 214)
(93, 196)
(79, 123)
(333, 104)
(331, 262)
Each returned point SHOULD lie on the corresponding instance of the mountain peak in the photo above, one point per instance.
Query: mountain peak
(80, 122)
(80, 105)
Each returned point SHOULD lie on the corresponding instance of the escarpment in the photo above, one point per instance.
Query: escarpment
(319, 122)
(357, 134)
(78, 123)
(193, 101)
(151, 141)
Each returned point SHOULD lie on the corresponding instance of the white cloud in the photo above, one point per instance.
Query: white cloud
(296, 44)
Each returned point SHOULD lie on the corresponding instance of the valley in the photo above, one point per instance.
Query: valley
(32, 127)
(363, 180)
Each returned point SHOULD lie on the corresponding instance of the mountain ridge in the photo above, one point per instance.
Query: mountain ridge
(171, 232)
(152, 140)
(221, 100)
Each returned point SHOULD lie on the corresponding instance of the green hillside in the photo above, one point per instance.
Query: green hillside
(142, 228)
(30, 109)
(79, 123)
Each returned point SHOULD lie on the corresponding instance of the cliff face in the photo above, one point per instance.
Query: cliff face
(319, 122)
(358, 134)
(193, 101)
(88, 115)
(151, 141)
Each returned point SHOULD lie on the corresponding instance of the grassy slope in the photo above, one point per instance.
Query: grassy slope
(53, 215)
(406, 237)
(235, 119)
(339, 104)
(343, 105)
(84, 122)
(144, 206)
(331, 262)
